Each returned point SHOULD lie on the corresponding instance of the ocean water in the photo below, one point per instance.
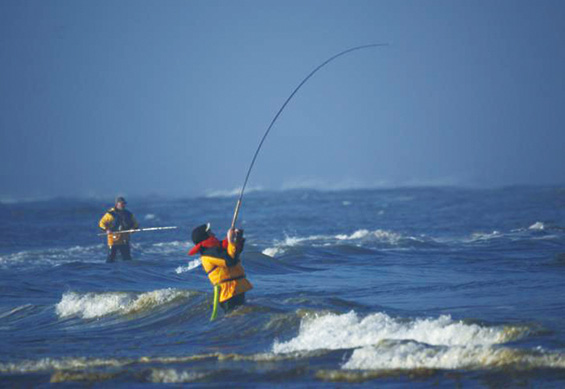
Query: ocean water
(412, 287)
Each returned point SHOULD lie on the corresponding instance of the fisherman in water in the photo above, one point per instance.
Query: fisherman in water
(221, 262)
(115, 220)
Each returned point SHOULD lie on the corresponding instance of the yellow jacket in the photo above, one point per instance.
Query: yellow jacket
(115, 220)
(224, 268)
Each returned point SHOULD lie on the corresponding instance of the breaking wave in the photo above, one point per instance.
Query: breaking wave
(415, 355)
(348, 330)
(95, 305)
(382, 342)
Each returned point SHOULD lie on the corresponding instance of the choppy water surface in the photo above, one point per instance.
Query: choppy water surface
(401, 287)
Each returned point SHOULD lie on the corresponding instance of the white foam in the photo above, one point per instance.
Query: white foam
(480, 236)
(55, 256)
(177, 246)
(333, 331)
(94, 305)
(378, 235)
(280, 247)
(273, 251)
(359, 237)
(56, 364)
(539, 226)
(191, 265)
(150, 216)
(414, 355)
(172, 376)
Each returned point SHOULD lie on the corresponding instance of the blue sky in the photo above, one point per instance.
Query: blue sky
(172, 97)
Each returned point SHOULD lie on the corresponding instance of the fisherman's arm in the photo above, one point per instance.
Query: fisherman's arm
(235, 242)
(106, 222)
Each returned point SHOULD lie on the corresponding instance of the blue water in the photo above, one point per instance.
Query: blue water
(405, 287)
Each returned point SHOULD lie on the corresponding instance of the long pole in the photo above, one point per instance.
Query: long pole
(238, 204)
(140, 230)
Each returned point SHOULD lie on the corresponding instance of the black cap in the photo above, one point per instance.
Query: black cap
(200, 233)
(120, 199)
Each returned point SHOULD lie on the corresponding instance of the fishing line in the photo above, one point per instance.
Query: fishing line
(238, 204)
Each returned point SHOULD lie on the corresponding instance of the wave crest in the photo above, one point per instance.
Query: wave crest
(414, 355)
(363, 237)
(333, 331)
(94, 305)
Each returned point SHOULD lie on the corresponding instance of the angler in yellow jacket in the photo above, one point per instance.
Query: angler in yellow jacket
(115, 220)
(221, 262)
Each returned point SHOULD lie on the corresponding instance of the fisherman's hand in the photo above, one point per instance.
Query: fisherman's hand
(234, 235)
(231, 235)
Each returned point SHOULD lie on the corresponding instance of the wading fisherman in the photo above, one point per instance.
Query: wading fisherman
(118, 219)
(221, 262)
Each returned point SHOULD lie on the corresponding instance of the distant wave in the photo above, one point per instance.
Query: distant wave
(482, 236)
(55, 256)
(358, 238)
(539, 226)
(356, 184)
(24, 200)
(95, 305)
(178, 246)
(231, 192)
(86, 254)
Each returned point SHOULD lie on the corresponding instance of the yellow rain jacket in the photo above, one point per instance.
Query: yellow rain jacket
(116, 220)
(224, 268)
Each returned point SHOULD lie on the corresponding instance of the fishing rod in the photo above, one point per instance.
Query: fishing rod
(238, 204)
(140, 230)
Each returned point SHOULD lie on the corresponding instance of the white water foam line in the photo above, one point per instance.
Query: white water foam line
(94, 305)
(55, 256)
(358, 237)
(174, 247)
(383, 342)
(173, 376)
(414, 355)
(333, 331)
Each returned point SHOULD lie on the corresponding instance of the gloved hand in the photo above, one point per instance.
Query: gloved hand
(234, 235)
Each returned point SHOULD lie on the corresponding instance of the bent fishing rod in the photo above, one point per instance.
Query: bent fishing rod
(139, 230)
(238, 204)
